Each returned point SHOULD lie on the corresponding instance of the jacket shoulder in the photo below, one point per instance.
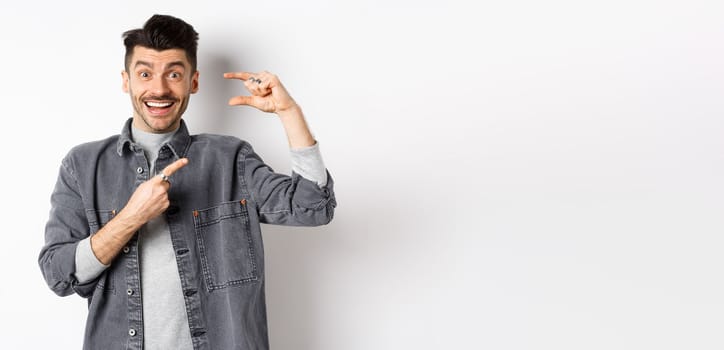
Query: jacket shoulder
(223, 143)
(91, 150)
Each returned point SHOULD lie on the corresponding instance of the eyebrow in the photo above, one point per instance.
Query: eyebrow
(150, 65)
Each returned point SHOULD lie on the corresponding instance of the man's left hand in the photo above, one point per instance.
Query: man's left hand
(267, 92)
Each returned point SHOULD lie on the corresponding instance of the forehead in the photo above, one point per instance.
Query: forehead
(158, 59)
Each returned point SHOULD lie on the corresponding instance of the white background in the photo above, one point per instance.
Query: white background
(510, 175)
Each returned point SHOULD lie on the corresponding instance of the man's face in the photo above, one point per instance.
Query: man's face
(160, 83)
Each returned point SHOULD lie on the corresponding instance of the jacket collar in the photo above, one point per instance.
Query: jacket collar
(179, 142)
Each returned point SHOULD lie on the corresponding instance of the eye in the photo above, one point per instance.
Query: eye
(144, 74)
(174, 75)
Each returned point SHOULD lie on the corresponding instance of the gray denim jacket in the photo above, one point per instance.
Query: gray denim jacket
(217, 204)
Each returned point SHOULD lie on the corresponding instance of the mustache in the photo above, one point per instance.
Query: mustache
(161, 98)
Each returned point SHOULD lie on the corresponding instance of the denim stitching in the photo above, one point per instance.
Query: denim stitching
(205, 265)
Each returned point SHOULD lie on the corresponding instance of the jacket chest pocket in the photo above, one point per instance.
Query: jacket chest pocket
(98, 218)
(225, 245)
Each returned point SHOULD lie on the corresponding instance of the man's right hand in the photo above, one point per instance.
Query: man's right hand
(148, 201)
(150, 198)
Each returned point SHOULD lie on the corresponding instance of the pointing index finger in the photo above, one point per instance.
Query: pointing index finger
(175, 166)
(238, 75)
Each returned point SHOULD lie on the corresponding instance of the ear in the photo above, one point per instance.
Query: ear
(124, 76)
(195, 82)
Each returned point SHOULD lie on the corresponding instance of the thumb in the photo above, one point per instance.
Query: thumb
(244, 101)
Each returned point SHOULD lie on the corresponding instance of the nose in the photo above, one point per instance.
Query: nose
(159, 86)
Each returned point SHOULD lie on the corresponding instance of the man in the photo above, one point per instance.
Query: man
(175, 260)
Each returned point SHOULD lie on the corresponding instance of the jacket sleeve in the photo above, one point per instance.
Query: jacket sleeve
(67, 225)
(283, 199)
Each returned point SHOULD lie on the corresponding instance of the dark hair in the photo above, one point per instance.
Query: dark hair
(163, 32)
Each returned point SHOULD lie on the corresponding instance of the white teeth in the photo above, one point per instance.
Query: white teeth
(158, 104)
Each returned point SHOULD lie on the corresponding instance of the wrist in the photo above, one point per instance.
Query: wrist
(127, 222)
(293, 111)
(298, 133)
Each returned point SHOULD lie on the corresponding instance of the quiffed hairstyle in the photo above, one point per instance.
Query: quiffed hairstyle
(163, 32)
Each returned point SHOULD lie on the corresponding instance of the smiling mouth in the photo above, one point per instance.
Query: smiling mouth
(152, 104)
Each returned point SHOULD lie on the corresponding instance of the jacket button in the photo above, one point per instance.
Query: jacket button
(139, 170)
(126, 250)
(132, 332)
(129, 291)
(172, 210)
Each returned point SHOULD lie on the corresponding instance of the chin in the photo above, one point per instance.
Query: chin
(160, 125)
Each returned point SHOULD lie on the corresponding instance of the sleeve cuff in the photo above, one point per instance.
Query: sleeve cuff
(308, 163)
(87, 266)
